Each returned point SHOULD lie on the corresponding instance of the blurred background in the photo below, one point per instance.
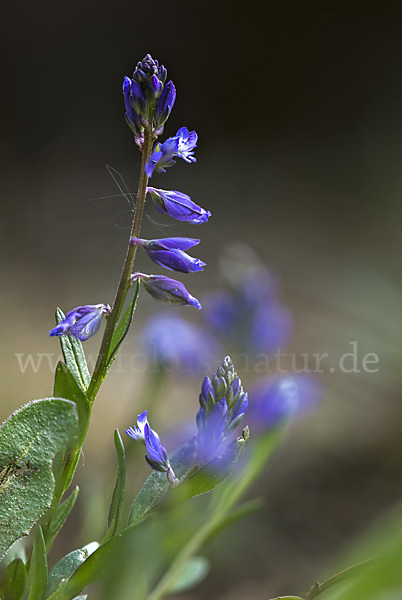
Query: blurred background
(298, 110)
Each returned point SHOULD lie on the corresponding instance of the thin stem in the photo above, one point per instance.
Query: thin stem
(319, 588)
(125, 283)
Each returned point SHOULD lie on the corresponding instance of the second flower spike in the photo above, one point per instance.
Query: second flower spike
(170, 253)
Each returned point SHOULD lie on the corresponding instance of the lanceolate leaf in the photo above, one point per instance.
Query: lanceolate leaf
(65, 386)
(74, 356)
(38, 570)
(61, 514)
(29, 440)
(63, 570)
(14, 582)
(123, 326)
(156, 486)
(117, 503)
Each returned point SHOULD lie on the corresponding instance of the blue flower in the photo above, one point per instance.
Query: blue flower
(165, 104)
(179, 206)
(157, 456)
(178, 346)
(166, 290)
(132, 118)
(138, 433)
(82, 322)
(169, 253)
(182, 145)
(275, 400)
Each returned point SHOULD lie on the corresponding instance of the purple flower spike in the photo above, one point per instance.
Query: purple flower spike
(182, 144)
(169, 253)
(179, 206)
(137, 433)
(166, 290)
(82, 322)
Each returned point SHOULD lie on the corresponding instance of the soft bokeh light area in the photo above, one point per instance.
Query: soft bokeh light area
(298, 111)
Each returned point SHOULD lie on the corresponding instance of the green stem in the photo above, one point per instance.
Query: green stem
(319, 588)
(125, 283)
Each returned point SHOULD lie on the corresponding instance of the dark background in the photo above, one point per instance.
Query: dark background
(298, 107)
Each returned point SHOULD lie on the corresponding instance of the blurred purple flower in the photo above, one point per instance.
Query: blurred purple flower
(169, 253)
(274, 400)
(211, 427)
(179, 206)
(166, 290)
(248, 313)
(179, 346)
(82, 322)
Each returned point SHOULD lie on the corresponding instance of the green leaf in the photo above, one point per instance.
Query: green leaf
(14, 581)
(117, 503)
(123, 327)
(156, 486)
(99, 565)
(29, 440)
(74, 356)
(61, 514)
(65, 386)
(191, 574)
(38, 568)
(64, 569)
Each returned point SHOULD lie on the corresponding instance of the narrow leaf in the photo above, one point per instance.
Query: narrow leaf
(123, 327)
(65, 386)
(14, 581)
(191, 574)
(29, 440)
(156, 486)
(61, 514)
(38, 568)
(99, 565)
(74, 356)
(117, 503)
(64, 569)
